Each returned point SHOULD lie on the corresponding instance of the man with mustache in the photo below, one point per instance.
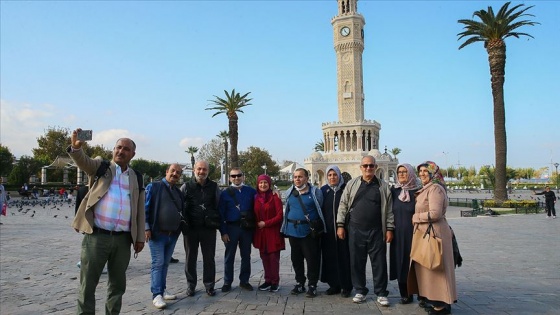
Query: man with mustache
(111, 216)
(164, 205)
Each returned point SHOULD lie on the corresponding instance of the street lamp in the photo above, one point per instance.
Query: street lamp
(556, 165)
(264, 168)
(446, 165)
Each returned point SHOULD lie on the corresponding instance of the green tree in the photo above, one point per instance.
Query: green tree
(319, 146)
(253, 161)
(230, 105)
(492, 30)
(52, 144)
(6, 160)
(149, 169)
(395, 152)
(98, 150)
(22, 171)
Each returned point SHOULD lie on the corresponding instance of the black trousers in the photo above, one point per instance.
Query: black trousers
(364, 243)
(206, 238)
(308, 249)
(550, 208)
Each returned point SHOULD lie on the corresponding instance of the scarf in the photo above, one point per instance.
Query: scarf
(410, 184)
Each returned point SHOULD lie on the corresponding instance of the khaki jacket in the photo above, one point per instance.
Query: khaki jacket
(83, 221)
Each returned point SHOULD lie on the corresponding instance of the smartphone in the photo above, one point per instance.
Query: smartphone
(85, 135)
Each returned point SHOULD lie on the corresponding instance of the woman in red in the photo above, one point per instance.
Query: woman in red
(269, 241)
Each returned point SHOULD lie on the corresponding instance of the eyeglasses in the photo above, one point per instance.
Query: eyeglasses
(402, 172)
(236, 175)
(368, 165)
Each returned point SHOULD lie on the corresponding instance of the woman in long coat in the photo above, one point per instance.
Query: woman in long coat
(437, 286)
(335, 254)
(267, 238)
(404, 200)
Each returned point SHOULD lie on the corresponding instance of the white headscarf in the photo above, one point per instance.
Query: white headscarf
(411, 183)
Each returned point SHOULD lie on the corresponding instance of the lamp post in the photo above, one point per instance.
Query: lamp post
(446, 165)
(556, 165)
(264, 168)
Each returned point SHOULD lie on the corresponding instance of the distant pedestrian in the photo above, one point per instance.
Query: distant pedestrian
(550, 200)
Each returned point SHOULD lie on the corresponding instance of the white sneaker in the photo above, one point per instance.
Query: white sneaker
(554, 217)
(359, 298)
(383, 300)
(158, 302)
(168, 296)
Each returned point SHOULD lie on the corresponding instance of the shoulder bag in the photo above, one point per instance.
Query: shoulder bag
(427, 248)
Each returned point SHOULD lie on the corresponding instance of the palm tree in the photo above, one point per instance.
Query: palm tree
(232, 104)
(492, 30)
(225, 135)
(192, 150)
(319, 146)
(396, 151)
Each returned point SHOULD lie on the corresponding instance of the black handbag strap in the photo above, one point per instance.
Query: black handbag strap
(296, 193)
(232, 193)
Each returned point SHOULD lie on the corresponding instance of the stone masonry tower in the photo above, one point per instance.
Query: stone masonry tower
(350, 138)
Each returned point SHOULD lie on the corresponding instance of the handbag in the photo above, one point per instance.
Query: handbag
(427, 248)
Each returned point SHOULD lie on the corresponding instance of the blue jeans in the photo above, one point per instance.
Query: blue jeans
(243, 238)
(161, 248)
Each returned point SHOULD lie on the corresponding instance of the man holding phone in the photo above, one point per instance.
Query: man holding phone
(112, 218)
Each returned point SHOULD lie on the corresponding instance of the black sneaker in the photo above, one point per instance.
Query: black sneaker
(274, 288)
(174, 260)
(265, 286)
(298, 288)
(246, 286)
(211, 292)
(226, 288)
(311, 291)
(190, 291)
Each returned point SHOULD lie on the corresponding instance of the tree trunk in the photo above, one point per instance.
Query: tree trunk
(497, 59)
(233, 136)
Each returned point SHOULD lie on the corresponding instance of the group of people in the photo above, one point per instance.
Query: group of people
(331, 230)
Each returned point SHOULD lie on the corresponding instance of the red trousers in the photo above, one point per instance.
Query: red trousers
(271, 265)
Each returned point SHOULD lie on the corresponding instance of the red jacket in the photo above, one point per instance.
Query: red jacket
(269, 239)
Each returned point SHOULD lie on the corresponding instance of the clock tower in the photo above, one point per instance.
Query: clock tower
(350, 138)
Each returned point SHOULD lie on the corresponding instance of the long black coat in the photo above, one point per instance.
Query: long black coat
(399, 253)
(335, 269)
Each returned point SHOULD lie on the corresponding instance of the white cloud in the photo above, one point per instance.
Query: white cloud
(188, 142)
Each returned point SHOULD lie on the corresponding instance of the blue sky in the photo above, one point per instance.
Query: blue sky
(146, 70)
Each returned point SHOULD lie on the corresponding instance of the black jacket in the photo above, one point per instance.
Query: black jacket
(197, 195)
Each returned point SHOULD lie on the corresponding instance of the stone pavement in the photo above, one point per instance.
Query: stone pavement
(511, 266)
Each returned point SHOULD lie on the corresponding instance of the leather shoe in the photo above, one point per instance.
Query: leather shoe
(211, 292)
(406, 300)
(346, 293)
(332, 291)
(190, 291)
(246, 286)
(445, 310)
(226, 288)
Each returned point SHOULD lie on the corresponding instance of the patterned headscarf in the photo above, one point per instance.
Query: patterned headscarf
(340, 178)
(435, 174)
(264, 196)
(411, 182)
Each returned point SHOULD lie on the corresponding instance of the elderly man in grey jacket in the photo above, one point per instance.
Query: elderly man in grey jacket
(365, 211)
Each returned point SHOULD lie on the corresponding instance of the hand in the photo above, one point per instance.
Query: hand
(138, 247)
(261, 224)
(388, 236)
(225, 238)
(75, 143)
(148, 234)
(341, 233)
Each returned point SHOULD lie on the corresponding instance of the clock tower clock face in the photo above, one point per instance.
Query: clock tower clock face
(345, 31)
